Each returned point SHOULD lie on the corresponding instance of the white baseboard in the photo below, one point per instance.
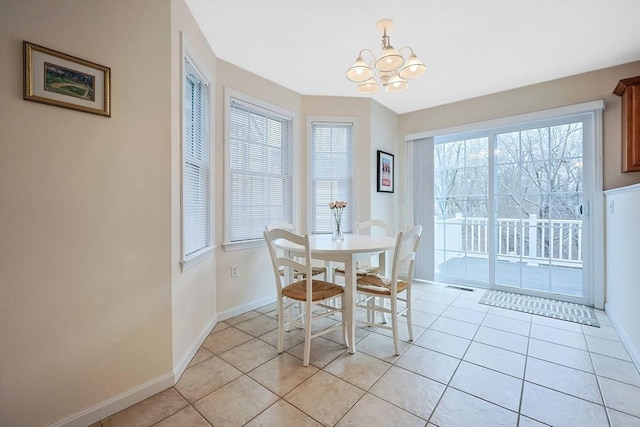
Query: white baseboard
(633, 351)
(118, 403)
(179, 369)
(232, 312)
(138, 394)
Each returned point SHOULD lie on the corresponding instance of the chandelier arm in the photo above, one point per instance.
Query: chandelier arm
(373, 55)
(407, 47)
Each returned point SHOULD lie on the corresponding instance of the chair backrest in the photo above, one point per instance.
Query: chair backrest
(373, 225)
(280, 224)
(404, 254)
(282, 260)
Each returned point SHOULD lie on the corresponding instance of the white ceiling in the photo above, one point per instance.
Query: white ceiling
(471, 48)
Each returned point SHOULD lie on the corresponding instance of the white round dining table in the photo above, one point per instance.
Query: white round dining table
(347, 251)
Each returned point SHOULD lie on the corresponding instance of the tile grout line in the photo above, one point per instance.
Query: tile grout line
(595, 373)
(286, 401)
(524, 372)
(435, 407)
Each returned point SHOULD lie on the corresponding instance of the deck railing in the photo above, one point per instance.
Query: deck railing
(531, 240)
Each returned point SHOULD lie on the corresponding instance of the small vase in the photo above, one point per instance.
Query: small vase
(337, 231)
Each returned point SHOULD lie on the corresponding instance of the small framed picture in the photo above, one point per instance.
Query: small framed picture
(385, 172)
(56, 78)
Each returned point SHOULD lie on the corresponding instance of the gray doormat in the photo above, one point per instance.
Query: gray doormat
(542, 307)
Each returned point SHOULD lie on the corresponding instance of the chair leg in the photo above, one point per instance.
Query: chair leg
(383, 314)
(409, 322)
(394, 324)
(371, 314)
(344, 323)
(280, 325)
(287, 325)
(307, 334)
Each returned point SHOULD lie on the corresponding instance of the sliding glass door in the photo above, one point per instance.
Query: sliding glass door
(509, 209)
(538, 224)
(461, 190)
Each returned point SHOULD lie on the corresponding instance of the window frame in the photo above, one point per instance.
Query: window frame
(188, 260)
(352, 204)
(229, 95)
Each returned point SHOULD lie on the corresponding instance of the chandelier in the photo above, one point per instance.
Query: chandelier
(390, 69)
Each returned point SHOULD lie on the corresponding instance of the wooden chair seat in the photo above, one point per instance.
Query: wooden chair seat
(374, 284)
(320, 290)
(360, 271)
(315, 271)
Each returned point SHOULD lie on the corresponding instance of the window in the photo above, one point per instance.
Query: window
(196, 170)
(259, 167)
(331, 173)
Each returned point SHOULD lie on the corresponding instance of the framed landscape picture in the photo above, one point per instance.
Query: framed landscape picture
(385, 172)
(55, 78)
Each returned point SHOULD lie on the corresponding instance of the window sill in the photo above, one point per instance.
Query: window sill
(196, 258)
(239, 246)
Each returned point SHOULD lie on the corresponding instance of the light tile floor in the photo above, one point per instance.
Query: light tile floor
(469, 365)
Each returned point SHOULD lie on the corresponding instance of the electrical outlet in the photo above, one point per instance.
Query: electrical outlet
(234, 271)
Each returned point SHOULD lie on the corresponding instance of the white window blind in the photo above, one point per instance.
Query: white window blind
(421, 185)
(331, 174)
(260, 168)
(196, 202)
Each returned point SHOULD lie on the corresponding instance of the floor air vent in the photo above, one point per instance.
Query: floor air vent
(460, 288)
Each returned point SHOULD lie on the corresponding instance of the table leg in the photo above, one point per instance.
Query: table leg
(350, 299)
(382, 265)
(330, 273)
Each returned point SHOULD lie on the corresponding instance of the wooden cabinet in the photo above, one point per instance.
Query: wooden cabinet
(629, 90)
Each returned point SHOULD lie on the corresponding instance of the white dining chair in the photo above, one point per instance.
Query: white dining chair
(315, 270)
(371, 227)
(377, 289)
(312, 292)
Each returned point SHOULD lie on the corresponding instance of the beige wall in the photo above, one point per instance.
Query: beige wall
(389, 207)
(193, 291)
(252, 286)
(85, 214)
(556, 93)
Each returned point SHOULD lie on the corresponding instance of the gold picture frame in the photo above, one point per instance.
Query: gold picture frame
(55, 78)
